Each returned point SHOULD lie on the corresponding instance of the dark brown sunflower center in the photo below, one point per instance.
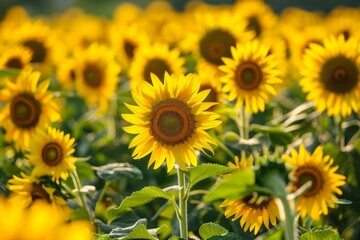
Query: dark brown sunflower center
(254, 25)
(339, 74)
(215, 45)
(14, 63)
(306, 173)
(52, 154)
(25, 111)
(256, 201)
(129, 49)
(156, 66)
(172, 122)
(248, 75)
(93, 75)
(72, 75)
(346, 34)
(213, 96)
(39, 193)
(38, 50)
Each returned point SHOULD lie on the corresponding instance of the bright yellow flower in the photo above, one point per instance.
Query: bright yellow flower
(259, 16)
(212, 34)
(28, 189)
(27, 106)
(170, 121)
(15, 57)
(331, 76)
(253, 210)
(66, 73)
(325, 182)
(51, 153)
(96, 75)
(157, 59)
(39, 221)
(252, 76)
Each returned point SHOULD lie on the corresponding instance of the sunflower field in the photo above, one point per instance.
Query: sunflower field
(214, 122)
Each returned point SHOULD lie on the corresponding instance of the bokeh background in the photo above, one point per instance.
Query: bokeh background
(106, 7)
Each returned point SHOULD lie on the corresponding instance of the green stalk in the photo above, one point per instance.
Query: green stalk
(183, 221)
(277, 184)
(244, 123)
(341, 140)
(76, 180)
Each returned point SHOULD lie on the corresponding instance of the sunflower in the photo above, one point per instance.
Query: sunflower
(252, 76)
(170, 121)
(27, 106)
(51, 153)
(40, 40)
(325, 183)
(213, 34)
(259, 16)
(331, 77)
(27, 189)
(65, 73)
(157, 59)
(96, 75)
(15, 57)
(253, 210)
(125, 39)
(343, 21)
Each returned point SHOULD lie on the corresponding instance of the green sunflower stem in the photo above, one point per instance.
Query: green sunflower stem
(183, 197)
(341, 140)
(275, 182)
(77, 184)
(244, 123)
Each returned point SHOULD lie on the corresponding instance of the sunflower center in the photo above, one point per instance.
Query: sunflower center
(254, 25)
(38, 50)
(52, 154)
(72, 75)
(339, 74)
(304, 174)
(93, 75)
(129, 48)
(38, 192)
(172, 122)
(248, 75)
(215, 45)
(156, 66)
(212, 97)
(256, 201)
(14, 63)
(25, 111)
(346, 34)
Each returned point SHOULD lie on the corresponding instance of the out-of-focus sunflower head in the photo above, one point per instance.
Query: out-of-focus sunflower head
(15, 57)
(343, 21)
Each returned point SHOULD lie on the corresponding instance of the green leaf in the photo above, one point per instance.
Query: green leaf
(236, 186)
(321, 233)
(145, 195)
(275, 235)
(115, 171)
(277, 135)
(8, 73)
(208, 230)
(204, 171)
(228, 236)
(136, 231)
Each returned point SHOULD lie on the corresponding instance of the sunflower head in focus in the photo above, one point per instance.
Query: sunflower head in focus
(331, 77)
(51, 153)
(258, 15)
(15, 57)
(96, 75)
(170, 120)
(154, 59)
(213, 34)
(252, 76)
(325, 182)
(253, 210)
(27, 107)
